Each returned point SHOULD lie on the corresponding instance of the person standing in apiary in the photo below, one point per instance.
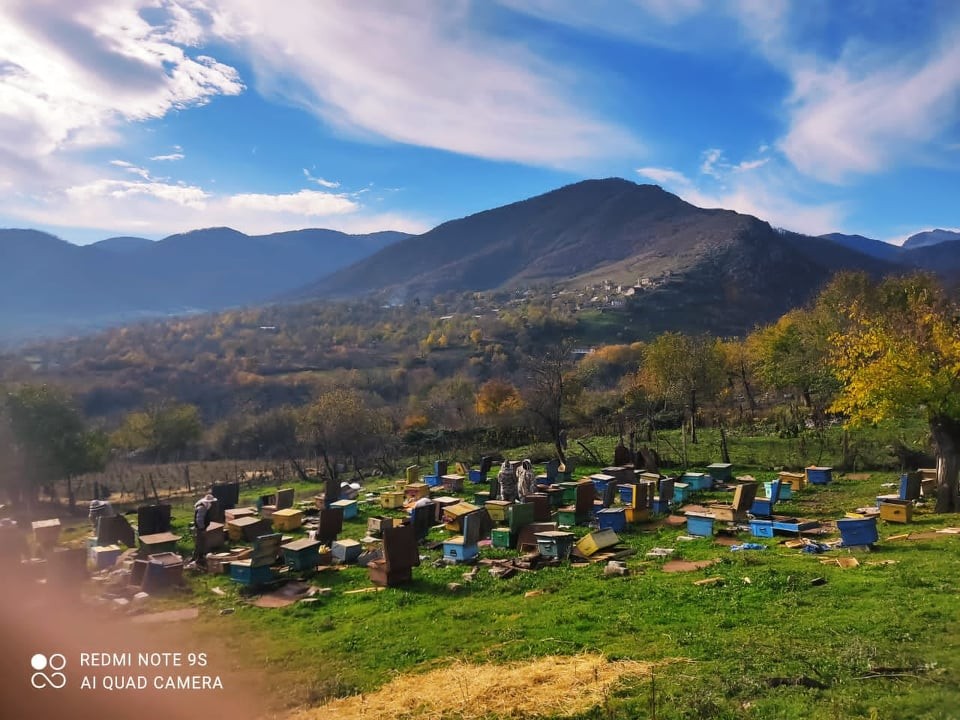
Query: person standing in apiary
(507, 480)
(526, 480)
(201, 520)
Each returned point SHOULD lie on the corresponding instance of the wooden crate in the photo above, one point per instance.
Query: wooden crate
(237, 513)
(796, 481)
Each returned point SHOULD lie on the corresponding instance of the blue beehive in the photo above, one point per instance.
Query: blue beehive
(761, 528)
(862, 531)
(612, 519)
(477, 477)
(819, 475)
(681, 492)
(720, 472)
(601, 484)
(349, 508)
(243, 572)
(786, 490)
(700, 525)
(697, 481)
(555, 544)
(432, 480)
(440, 468)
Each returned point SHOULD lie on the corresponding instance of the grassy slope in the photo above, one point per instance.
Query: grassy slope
(736, 636)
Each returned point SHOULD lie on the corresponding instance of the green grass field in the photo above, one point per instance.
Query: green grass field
(881, 640)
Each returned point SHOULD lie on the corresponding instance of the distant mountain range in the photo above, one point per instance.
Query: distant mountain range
(49, 285)
(716, 270)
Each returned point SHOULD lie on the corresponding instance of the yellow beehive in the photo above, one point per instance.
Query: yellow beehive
(797, 481)
(417, 491)
(287, 519)
(896, 512)
(497, 510)
(596, 541)
(637, 514)
(391, 500)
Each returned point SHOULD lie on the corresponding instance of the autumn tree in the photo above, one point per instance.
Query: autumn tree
(686, 369)
(497, 398)
(900, 353)
(52, 440)
(342, 428)
(791, 355)
(164, 431)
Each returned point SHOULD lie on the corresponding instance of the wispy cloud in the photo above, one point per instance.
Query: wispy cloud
(769, 194)
(330, 184)
(425, 75)
(171, 157)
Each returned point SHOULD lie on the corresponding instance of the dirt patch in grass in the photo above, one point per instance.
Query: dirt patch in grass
(539, 688)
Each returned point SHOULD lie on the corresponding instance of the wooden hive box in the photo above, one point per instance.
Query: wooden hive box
(858, 532)
(519, 515)
(245, 573)
(400, 556)
(796, 481)
(569, 491)
(165, 542)
(452, 482)
(216, 536)
(453, 515)
(301, 555)
(247, 528)
(287, 519)
(896, 512)
(612, 519)
(700, 524)
(635, 515)
(526, 539)
(346, 551)
(416, 491)
(596, 541)
(761, 528)
(104, 556)
(391, 499)
(349, 507)
(46, 532)
(497, 509)
(555, 544)
(237, 513)
(819, 475)
(163, 571)
(502, 538)
(743, 497)
(377, 524)
(720, 472)
(541, 506)
(697, 481)
(604, 486)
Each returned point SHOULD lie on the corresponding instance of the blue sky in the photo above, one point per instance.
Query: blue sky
(149, 117)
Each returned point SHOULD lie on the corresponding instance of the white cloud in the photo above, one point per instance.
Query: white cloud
(747, 165)
(665, 176)
(710, 159)
(309, 203)
(73, 74)
(159, 207)
(771, 194)
(422, 74)
(171, 157)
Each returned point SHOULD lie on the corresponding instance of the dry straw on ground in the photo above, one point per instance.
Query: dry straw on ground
(539, 688)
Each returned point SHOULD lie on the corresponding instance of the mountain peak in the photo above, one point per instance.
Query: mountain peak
(931, 237)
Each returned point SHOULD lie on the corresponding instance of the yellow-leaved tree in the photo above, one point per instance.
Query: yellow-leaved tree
(900, 353)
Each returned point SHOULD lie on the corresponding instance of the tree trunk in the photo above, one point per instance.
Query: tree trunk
(946, 439)
(71, 496)
(693, 416)
(724, 450)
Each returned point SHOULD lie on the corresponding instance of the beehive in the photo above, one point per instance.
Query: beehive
(287, 519)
